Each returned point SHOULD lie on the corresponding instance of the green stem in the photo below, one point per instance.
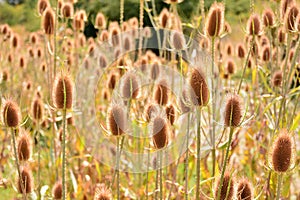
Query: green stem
(279, 186)
(198, 154)
(160, 175)
(186, 166)
(64, 154)
(39, 158)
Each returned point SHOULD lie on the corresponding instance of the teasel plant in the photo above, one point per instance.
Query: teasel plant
(62, 98)
(213, 27)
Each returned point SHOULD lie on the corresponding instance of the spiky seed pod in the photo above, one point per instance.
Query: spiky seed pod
(144, 63)
(5, 75)
(178, 40)
(171, 115)
(15, 41)
(42, 5)
(37, 109)
(31, 53)
(24, 147)
(39, 53)
(67, 10)
(115, 36)
(233, 111)
(22, 62)
(254, 25)
(215, 20)
(11, 114)
(290, 19)
(264, 41)
(227, 188)
(33, 38)
(199, 88)
(291, 55)
(277, 78)
(100, 21)
(160, 132)
(130, 86)
(102, 61)
(163, 18)
(155, 70)
(104, 36)
(48, 21)
(266, 54)
(127, 43)
(227, 28)
(117, 121)
(62, 91)
(241, 52)
(183, 102)
(255, 49)
(102, 193)
(244, 190)
(161, 92)
(71, 121)
(230, 66)
(204, 43)
(5, 29)
(57, 190)
(268, 18)
(282, 152)
(284, 5)
(282, 36)
(26, 181)
(112, 81)
(150, 111)
(78, 23)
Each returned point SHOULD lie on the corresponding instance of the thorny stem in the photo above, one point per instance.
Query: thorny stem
(279, 186)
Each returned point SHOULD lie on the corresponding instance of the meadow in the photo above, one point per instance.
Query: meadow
(157, 106)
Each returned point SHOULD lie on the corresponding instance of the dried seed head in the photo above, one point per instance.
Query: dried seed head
(78, 23)
(33, 38)
(233, 111)
(161, 92)
(244, 190)
(112, 81)
(230, 66)
(100, 21)
(284, 5)
(290, 22)
(155, 70)
(199, 88)
(67, 10)
(102, 61)
(130, 86)
(164, 17)
(117, 120)
(160, 132)
(282, 36)
(268, 18)
(11, 114)
(71, 121)
(15, 41)
(282, 152)
(150, 110)
(24, 147)
(227, 188)
(171, 115)
(63, 92)
(37, 109)
(215, 20)
(48, 21)
(42, 5)
(229, 49)
(254, 25)
(57, 190)
(39, 52)
(264, 41)
(241, 51)
(277, 78)
(102, 193)
(104, 36)
(22, 62)
(5, 75)
(178, 40)
(266, 54)
(127, 43)
(183, 102)
(227, 28)
(115, 36)
(26, 181)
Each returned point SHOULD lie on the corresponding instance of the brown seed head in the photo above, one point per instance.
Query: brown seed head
(117, 121)
(37, 109)
(215, 20)
(282, 36)
(160, 132)
(227, 188)
(155, 70)
(200, 91)
(171, 115)
(42, 5)
(230, 66)
(11, 114)
(115, 36)
(163, 18)
(290, 22)
(57, 190)
(102, 61)
(268, 18)
(244, 190)
(112, 81)
(63, 92)
(26, 181)
(24, 147)
(266, 54)
(104, 36)
(161, 92)
(150, 110)
(5, 75)
(15, 41)
(233, 111)
(282, 152)
(130, 86)
(241, 52)
(100, 21)
(178, 40)
(67, 10)
(48, 21)
(229, 49)
(254, 25)
(183, 102)
(277, 78)
(284, 5)
(22, 62)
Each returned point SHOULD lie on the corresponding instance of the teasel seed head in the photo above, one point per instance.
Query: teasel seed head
(37, 109)
(277, 78)
(266, 54)
(26, 181)
(117, 120)
(104, 36)
(290, 22)
(171, 114)
(15, 40)
(233, 111)
(160, 132)
(150, 111)
(5, 75)
(282, 152)
(268, 18)
(199, 88)
(102, 61)
(215, 20)
(63, 92)
(230, 66)
(22, 62)
(155, 70)
(178, 41)
(282, 36)
(115, 36)
(112, 81)
(67, 10)
(227, 188)
(254, 25)
(229, 50)
(42, 5)
(33, 38)
(24, 147)
(130, 86)
(48, 21)
(284, 5)
(57, 190)
(11, 114)
(241, 52)
(244, 190)
(127, 43)
(164, 18)
(100, 21)
(161, 92)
